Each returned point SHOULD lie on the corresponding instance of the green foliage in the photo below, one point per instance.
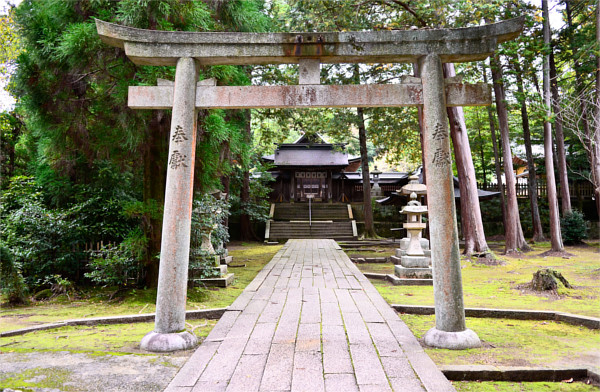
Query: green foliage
(573, 227)
(208, 218)
(12, 284)
(257, 206)
(119, 265)
(47, 241)
(42, 241)
(58, 285)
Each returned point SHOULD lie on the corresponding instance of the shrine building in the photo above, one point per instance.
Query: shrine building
(324, 172)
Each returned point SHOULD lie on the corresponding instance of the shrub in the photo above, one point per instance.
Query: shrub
(41, 241)
(118, 265)
(208, 216)
(12, 283)
(573, 227)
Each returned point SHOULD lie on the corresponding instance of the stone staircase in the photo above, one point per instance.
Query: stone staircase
(289, 220)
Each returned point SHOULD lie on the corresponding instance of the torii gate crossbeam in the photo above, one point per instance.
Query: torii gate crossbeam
(187, 50)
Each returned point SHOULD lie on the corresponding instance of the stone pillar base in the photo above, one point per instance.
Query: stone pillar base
(410, 261)
(401, 253)
(413, 273)
(452, 340)
(168, 342)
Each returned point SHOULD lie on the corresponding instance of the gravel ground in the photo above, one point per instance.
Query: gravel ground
(67, 371)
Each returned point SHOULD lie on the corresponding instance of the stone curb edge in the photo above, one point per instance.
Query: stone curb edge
(393, 279)
(125, 319)
(516, 314)
(515, 374)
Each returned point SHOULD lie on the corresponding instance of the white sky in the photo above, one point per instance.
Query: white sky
(7, 102)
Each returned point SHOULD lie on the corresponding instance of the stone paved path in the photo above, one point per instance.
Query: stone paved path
(310, 321)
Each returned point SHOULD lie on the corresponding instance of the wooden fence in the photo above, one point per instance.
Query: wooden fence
(577, 190)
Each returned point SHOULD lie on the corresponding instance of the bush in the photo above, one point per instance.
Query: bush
(118, 265)
(573, 227)
(208, 216)
(12, 283)
(42, 241)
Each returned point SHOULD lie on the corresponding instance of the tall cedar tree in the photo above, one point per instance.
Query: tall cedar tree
(555, 237)
(74, 91)
(538, 232)
(513, 232)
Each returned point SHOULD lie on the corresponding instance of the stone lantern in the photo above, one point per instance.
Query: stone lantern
(376, 191)
(414, 252)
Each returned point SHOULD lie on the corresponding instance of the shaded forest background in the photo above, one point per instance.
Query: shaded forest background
(79, 168)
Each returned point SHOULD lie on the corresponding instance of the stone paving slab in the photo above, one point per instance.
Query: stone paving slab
(310, 321)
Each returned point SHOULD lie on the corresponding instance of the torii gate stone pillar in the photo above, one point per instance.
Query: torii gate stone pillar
(169, 333)
(430, 48)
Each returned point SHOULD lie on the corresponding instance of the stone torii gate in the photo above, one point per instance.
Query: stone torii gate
(188, 50)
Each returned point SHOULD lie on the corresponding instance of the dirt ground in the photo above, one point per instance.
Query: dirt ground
(67, 371)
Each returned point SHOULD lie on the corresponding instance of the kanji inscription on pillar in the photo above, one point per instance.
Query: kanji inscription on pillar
(177, 160)
(179, 135)
(441, 158)
(439, 133)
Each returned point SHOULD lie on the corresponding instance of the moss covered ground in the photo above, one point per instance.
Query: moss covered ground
(31, 379)
(522, 387)
(500, 286)
(101, 339)
(107, 343)
(516, 342)
(108, 302)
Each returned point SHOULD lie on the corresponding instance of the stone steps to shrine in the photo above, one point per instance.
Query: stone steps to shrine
(333, 230)
(300, 211)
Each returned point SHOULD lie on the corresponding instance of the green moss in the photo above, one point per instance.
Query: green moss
(499, 286)
(378, 268)
(464, 386)
(98, 340)
(516, 343)
(32, 379)
(106, 302)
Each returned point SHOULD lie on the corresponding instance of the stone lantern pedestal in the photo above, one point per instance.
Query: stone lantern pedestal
(414, 256)
(213, 262)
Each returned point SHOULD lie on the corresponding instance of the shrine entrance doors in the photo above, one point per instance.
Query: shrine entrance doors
(313, 184)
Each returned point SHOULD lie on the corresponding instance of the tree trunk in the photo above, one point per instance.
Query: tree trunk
(596, 167)
(246, 231)
(368, 209)
(482, 157)
(514, 239)
(469, 200)
(555, 235)
(496, 155)
(362, 139)
(538, 232)
(591, 141)
(226, 179)
(155, 177)
(560, 140)
(417, 73)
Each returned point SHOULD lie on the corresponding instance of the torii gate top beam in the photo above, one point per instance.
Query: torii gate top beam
(153, 47)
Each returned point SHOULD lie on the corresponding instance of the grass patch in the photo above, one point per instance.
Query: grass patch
(32, 379)
(497, 286)
(469, 386)
(517, 343)
(98, 302)
(118, 339)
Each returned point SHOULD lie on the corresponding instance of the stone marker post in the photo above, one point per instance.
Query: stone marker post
(169, 332)
(450, 330)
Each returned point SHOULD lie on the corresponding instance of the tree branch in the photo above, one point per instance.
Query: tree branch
(406, 6)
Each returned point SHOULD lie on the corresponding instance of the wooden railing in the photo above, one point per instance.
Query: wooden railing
(384, 188)
(576, 189)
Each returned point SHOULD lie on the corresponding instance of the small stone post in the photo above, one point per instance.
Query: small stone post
(169, 332)
(450, 330)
